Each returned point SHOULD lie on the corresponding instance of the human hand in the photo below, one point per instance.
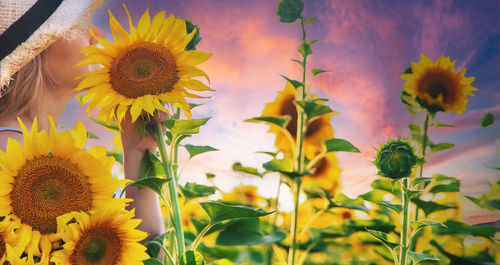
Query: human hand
(132, 141)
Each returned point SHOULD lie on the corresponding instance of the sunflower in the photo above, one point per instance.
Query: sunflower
(326, 174)
(436, 86)
(143, 68)
(106, 236)
(49, 176)
(318, 130)
(11, 243)
(244, 194)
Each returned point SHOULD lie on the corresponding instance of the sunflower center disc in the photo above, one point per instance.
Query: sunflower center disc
(436, 83)
(144, 69)
(99, 245)
(47, 187)
(2, 245)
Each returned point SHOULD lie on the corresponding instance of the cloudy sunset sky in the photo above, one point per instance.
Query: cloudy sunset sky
(366, 45)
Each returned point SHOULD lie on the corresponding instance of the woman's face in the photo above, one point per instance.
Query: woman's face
(65, 53)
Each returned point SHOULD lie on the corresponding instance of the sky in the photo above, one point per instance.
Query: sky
(366, 45)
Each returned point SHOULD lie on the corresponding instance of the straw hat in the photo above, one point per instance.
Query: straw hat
(27, 27)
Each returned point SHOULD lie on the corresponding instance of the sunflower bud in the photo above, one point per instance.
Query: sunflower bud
(289, 10)
(395, 159)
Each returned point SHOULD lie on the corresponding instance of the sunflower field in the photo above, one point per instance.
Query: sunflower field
(62, 203)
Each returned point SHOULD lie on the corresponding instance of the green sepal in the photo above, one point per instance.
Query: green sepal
(196, 38)
(238, 167)
(487, 120)
(280, 121)
(191, 258)
(339, 145)
(221, 212)
(194, 150)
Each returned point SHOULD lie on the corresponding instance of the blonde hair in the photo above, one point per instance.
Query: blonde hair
(20, 96)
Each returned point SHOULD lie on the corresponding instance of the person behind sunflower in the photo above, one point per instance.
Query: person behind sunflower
(40, 42)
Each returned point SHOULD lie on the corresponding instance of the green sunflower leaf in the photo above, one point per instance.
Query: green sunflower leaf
(194, 150)
(429, 206)
(294, 83)
(179, 127)
(112, 127)
(299, 62)
(191, 258)
(283, 166)
(238, 167)
(194, 190)
(454, 228)
(309, 20)
(385, 238)
(210, 175)
(152, 261)
(419, 258)
(440, 146)
(395, 207)
(339, 145)
(417, 225)
(289, 10)
(118, 156)
(313, 109)
(281, 121)
(455, 260)
(316, 71)
(221, 212)
(247, 232)
(91, 135)
(438, 124)
(152, 183)
(305, 49)
(487, 120)
(151, 166)
(450, 187)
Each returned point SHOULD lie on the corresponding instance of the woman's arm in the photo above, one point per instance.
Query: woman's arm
(146, 203)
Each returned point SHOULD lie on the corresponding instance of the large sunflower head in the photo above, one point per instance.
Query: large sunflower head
(49, 176)
(106, 237)
(318, 130)
(142, 68)
(436, 86)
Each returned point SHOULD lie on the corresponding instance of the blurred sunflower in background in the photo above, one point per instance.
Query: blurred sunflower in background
(326, 175)
(50, 176)
(318, 130)
(436, 86)
(143, 68)
(106, 236)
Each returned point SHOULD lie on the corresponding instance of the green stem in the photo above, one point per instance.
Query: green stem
(273, 223)
(293, 232)
(200, 236)
(172, 190)
(421, 169)
(405, 224)
(301, 129)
